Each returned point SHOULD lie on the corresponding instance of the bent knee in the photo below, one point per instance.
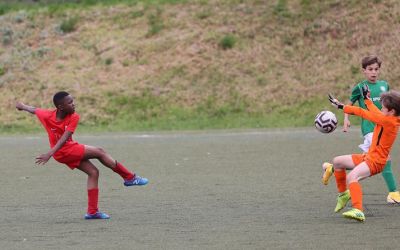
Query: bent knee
(337, 162)
(352, 177)
(94, 172)
(100, 151)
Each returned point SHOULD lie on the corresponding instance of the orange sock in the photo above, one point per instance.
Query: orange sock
(93, 198)
(356, 195)
(340, 175)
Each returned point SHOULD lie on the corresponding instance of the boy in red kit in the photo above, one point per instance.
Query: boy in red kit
(365, 165)
(60, 124)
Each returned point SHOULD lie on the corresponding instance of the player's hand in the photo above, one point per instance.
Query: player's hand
(346, 125)
(19, 106)
(335, 102)
(42, 159)
(365, 92)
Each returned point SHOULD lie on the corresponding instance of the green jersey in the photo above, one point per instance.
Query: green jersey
(375, 89)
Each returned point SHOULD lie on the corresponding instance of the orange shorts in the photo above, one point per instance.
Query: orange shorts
(70, 155)
(374, 167)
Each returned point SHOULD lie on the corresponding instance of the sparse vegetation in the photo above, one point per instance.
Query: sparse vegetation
(155, 22)
(109, 61)
(7, 34)
(178, 64)
(227, 42)
(2, 70)
(69, 25)
(281, 9)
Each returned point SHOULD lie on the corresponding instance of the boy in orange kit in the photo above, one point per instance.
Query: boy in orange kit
(371, 66)
(60, 124)
(371, 163)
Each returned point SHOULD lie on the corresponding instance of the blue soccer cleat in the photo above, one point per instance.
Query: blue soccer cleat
(98, 215)
(136, 181)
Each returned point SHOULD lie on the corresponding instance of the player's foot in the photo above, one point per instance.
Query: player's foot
(98, 215)
(393, 197)
(354, 214)
(342, 200)
(136, 181)
(328, 171)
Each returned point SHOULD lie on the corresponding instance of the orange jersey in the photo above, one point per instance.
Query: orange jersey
(385, 131)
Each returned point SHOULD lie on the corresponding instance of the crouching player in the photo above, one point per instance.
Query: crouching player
(371, 163)
(60, 124)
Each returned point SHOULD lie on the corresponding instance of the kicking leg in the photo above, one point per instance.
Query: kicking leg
(99, 154)
(130, 179)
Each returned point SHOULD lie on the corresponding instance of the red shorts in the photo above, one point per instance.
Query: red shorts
(374, 167)
(71, 155)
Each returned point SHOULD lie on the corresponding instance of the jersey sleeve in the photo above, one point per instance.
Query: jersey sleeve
(42, 114)
(372, 107)
(374, 116)
(355, 94)
(73, 123)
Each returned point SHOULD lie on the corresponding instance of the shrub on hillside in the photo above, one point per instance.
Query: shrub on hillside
(7, 34)
(69, 25)
(155, 23)
(281, 9)
(2, 70)
(227, 42)
(109, 61)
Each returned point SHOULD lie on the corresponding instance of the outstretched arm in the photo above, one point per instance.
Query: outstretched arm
(23, 107)
(374, 117)
(42, 159)
(371, 107)
(368, 101)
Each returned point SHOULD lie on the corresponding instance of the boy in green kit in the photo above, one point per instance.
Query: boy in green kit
(370, 67)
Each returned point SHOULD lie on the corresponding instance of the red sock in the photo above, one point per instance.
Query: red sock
(356, 195)
(123, 172)
(93, 199)
(340, 175)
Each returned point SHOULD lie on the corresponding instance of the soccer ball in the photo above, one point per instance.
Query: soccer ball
(325, 121)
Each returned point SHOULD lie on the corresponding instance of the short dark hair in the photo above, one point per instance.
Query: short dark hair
(391, 100)
(57, 98)
(371, 59)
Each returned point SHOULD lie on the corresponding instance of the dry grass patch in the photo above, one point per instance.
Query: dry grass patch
(275, 54)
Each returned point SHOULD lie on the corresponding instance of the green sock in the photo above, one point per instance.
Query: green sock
(389, 177)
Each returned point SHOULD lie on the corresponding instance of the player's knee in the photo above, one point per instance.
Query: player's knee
(100, 151)
(352, 177)
(337, 163)
(94, 173)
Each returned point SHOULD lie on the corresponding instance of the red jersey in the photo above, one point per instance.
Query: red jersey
(71, 153)
(55, 128)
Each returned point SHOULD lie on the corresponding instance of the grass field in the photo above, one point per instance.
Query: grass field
(234, 189)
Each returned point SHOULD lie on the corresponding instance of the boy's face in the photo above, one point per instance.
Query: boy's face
(371, 72)
(386, 111)
(67, 105)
